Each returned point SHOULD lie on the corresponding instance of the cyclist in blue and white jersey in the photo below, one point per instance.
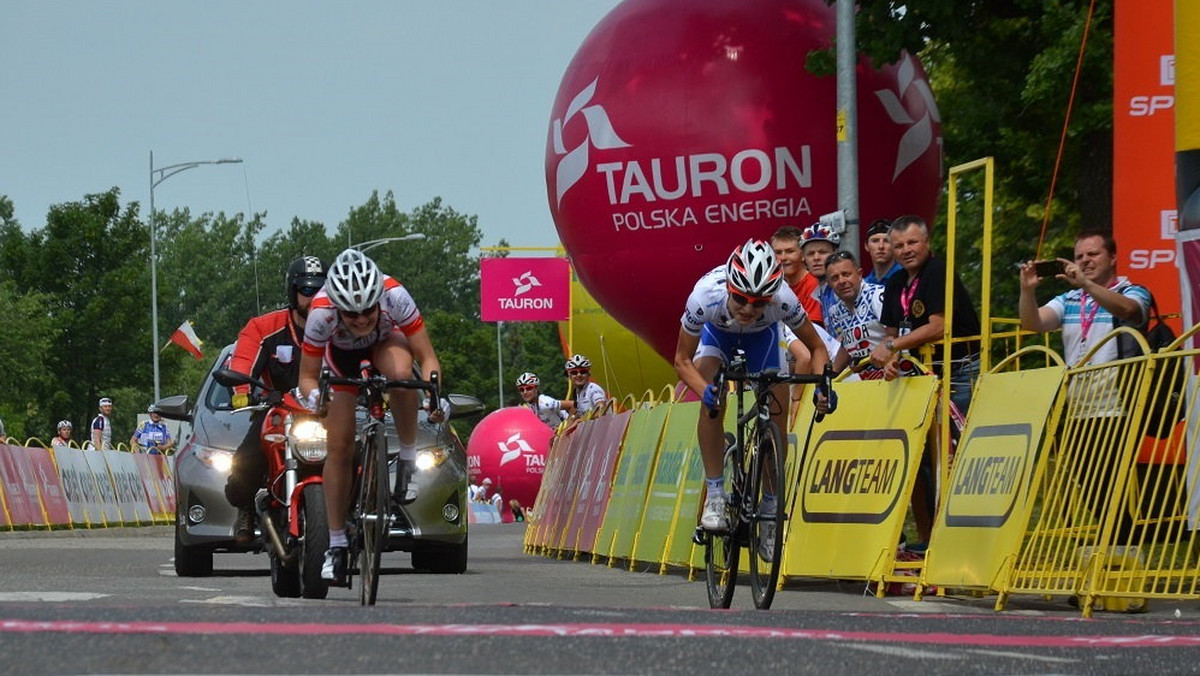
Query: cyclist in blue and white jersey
(739, 305)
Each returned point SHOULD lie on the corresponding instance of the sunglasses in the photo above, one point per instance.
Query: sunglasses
(743, 299)
(355, 315)
(308, 291)
(578, 372)
(526, 388)
(839, 256)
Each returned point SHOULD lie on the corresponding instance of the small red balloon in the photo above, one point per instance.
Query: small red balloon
(509, 447)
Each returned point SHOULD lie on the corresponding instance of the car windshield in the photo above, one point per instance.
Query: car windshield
(218, 397)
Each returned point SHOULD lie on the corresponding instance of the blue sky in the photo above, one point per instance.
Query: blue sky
(324, 102)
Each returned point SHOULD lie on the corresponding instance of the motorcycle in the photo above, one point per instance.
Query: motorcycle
(291, 508)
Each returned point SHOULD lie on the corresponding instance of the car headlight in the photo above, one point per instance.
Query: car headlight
(306, 437)
(215, 458)
(428, 458)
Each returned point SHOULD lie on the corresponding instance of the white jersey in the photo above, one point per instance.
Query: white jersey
(591, 396)
(859, 330)
(708, 304)
(397, 312)
(548, 410)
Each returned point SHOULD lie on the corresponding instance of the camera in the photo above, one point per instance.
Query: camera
(1049, 268)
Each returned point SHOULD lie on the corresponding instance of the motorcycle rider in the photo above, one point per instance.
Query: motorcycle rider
(268, 348)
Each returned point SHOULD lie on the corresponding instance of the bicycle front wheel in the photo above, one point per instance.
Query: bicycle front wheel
(766, 523)
(721, 547)
(372, 513)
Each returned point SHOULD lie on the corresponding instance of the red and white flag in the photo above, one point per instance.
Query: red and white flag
(185, 337)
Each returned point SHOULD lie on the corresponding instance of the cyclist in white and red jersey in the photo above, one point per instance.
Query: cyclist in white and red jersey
(362, 314)
(739, 305)
(586, 393)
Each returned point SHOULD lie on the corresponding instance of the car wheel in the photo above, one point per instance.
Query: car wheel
(441, 558)
(315, 528)
(192, 561)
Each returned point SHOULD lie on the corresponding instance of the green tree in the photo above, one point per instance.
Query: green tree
(1002, 74)
(26, 344)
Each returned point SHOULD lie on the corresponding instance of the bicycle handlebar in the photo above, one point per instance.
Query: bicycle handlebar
(736, 371)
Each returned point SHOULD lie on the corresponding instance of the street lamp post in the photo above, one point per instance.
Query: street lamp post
(371, 244)
(158, 176)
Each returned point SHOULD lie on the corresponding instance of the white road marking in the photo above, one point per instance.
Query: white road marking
(48, 596)
(897, 651)
(1022, 656)
(244, 601)
(203, 589)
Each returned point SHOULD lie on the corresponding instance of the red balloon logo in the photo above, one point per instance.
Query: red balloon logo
(509, 446)
(681, 129)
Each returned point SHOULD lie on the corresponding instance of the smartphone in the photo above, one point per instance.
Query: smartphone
(1048, 268)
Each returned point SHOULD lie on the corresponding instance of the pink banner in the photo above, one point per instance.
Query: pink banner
(54, 498)
(524, 289)
(20, 489)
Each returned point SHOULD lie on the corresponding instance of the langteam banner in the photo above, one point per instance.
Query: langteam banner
(524, 289)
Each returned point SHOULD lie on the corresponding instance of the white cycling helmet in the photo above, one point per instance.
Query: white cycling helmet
(528, 379)
(354, 282)
(65, 423)
(578, 362)
(753, 269)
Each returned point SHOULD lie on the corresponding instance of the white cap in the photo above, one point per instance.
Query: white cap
(487, 481)
(105, 401)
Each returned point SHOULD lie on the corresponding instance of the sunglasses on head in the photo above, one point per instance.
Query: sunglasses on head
(355, 315)
(308, 291)
(743, 299)
(526, 388)
(578, 372)
(839, 256)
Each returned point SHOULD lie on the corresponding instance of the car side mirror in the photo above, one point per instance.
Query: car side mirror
(177, 407)
(465, 406)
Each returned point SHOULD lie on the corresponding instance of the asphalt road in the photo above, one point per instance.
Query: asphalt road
(109, 602)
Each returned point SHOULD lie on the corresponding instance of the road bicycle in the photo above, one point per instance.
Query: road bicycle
(370, 498)
(753, 469)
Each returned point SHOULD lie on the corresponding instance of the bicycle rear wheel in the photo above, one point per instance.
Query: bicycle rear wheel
(766, 525)
(721, 547)
(372, 513)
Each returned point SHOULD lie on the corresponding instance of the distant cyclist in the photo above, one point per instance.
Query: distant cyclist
(586, 393)
(361, 315)
(152, 436)
(62, 437)
(739, 305)
(548, 409)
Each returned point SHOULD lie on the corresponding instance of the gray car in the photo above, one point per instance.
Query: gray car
(433, 528)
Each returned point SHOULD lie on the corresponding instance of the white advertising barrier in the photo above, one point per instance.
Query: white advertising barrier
(483, 512)
(84, 498)
(104, 485)
(132, 500)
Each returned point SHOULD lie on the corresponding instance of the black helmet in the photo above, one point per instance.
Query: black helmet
(306, 272)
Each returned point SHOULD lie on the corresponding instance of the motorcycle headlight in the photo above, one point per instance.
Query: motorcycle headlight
(306, 438)
(428, 458)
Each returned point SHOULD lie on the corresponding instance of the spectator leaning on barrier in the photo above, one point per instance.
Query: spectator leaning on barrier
(152, 436)
(879, 248)
(102, 426)
(855, 318)
(586, 393)
(62, 436)
(914, 312)
(548, 409)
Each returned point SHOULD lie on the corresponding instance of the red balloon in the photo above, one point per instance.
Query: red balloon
(509, 447)
(681, 129)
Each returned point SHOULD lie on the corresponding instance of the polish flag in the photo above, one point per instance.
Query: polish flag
(185, 337)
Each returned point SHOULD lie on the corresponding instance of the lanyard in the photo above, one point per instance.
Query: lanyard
(1087, 316)
(907, 293)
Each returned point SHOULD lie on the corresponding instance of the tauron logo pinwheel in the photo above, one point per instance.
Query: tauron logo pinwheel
(574, 163)
(525, 282)
(508, 453)
(919, 136)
